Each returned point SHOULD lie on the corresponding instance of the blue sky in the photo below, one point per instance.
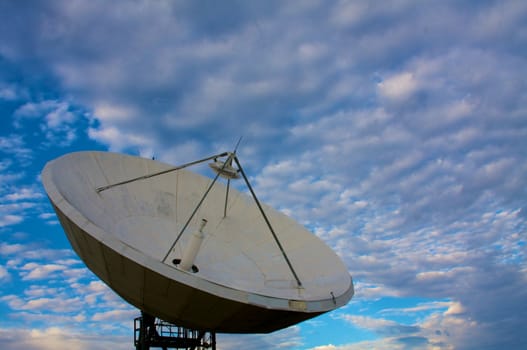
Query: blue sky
(396, 131)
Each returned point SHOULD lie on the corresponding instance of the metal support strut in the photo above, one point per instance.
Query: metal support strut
(104, 188)
(299, 284)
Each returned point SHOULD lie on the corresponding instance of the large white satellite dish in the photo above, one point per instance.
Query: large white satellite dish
(190, 250)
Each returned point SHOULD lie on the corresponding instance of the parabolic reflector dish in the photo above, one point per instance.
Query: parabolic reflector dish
(137, 236)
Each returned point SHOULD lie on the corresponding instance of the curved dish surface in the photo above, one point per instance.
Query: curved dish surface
(243, 284)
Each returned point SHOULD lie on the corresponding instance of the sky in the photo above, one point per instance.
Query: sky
(396, 131)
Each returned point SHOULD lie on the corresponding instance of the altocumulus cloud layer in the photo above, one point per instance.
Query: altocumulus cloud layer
(396, 131)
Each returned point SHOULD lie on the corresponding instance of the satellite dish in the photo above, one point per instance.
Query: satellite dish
(189, 249)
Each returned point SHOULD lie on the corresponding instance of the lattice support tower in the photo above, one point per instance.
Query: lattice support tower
(151, 332)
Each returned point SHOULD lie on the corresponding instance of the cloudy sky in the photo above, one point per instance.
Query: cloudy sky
(396, 131)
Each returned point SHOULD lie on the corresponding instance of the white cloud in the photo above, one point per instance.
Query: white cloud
(63, 338)
(23, 193)
(59, 303)
(46, 254)
(115, 315)
(120, 140)
(283, 339)
(442, 275)
(455, 309)
(15, 146)
(37, 291)
(10, 219)
(5, 164)
(44, 304)
(11, 92)
(347, 14)
(46, 318)
(427, 306)
(97, 287)
(369, 291)
(399, 87)
(500, 20)
(9, 249)
(438, 330)
(54, 113)
(384, 344)
(107, 112)
(7, 94)
(56, 119)
(34, 271)
(4, 274)
(59, 116)
(47, 216)
(368, 322)
(7, 179)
